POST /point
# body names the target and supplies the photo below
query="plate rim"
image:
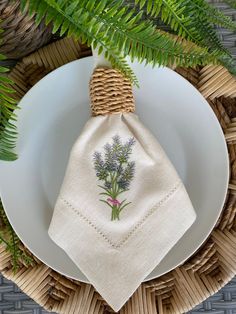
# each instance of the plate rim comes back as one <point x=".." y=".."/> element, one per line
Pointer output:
<point x="225" y="192"/>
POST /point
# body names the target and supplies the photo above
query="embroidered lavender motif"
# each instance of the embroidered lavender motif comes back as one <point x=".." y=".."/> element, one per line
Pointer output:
<point x="116" y="172"/>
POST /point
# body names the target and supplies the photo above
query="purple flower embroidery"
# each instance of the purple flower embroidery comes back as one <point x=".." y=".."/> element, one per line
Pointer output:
<point x="116" y="172"/>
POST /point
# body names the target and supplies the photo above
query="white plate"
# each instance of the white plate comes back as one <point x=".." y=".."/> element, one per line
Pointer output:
<point x="53" y="114"/>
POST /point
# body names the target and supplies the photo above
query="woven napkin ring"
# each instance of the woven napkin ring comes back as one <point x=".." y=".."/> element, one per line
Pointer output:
<point x="110" y="92"/>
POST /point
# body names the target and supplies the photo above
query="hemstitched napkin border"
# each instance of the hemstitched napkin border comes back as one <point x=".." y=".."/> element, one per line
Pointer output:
<point x="134" y="229"/>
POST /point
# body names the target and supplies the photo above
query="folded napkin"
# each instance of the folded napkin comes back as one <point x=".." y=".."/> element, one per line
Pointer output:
<point x="122" y="206"/>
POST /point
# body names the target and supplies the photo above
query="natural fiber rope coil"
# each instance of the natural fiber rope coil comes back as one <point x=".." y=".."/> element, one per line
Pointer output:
<point x="110" y="92"/>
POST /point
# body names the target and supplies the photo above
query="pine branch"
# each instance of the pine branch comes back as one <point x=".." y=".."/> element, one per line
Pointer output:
<point x="8" y="133"/>
<point x="118" y="31"/>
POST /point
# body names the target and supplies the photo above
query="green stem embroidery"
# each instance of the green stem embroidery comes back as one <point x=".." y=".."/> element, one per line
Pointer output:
<point x="116" y="172"/>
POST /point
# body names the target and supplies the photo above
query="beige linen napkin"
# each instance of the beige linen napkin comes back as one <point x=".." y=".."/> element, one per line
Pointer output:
<point x="122" y="206"/>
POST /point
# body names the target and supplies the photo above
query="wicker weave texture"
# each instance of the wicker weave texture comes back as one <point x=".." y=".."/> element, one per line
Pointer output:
<point x="14" y="301"/>
<point x="21" y="35"/>
<point x="223" y="302"/>
<point x="110" y="92"/>
<point x="181" y="289"/>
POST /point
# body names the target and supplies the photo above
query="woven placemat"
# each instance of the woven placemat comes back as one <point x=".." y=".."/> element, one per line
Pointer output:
<point x="21" y="34"/>
<point x="14" y="301"/>
<point x="184" y="287"/>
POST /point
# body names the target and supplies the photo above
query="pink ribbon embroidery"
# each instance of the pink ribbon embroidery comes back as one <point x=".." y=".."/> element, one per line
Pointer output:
<point x="113" y="201"/>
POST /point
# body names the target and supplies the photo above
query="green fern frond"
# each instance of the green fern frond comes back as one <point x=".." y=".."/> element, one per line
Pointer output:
<point x="80" y="19"/>
<point x="109" y="23"/>
<point x="8" y="133"/>
<point x="191" y="19"/>
<point x="178" y="13"/>
<point x="12" y="242"/>
<point x="229" y="63"/>
<point x="171" y="13"/>
<point x="231" y="3"/>
<point x="207" y="35"/>
<point x="213" y="14"/>
<point x="204" y="17"/>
